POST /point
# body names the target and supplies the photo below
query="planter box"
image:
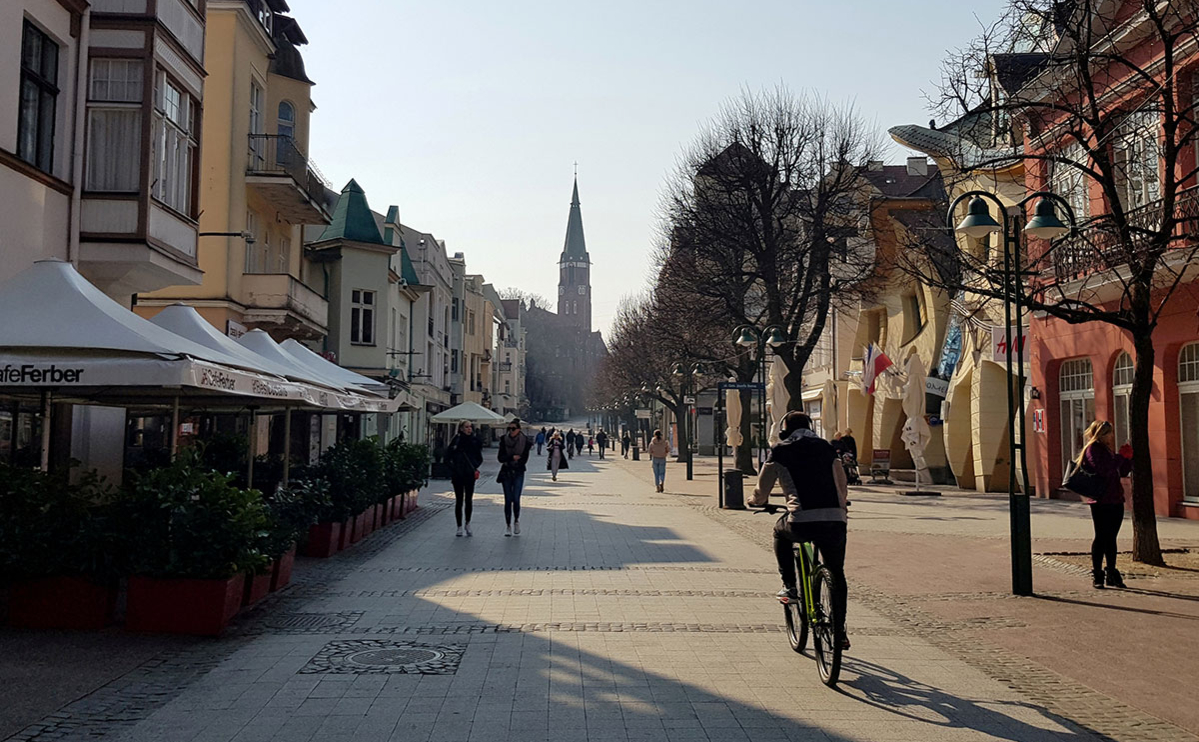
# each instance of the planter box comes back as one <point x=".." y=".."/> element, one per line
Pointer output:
<point x="359" y="530"/>
<point x="324" y="540"/>
<point x="380" y="515"/>
<point x="385" y="509"/>
<point x="397" y="504"/>
<point x="347" y="530"/>
<point x="411" y="500"/>
<point x="257" y="586"/>
<point x="283" y="566"/>
<point x="61" y="603"/>
<point x="183" y="606"/>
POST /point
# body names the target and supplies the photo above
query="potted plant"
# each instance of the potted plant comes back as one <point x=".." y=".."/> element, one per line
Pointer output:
<point x="190" y="537"/>
<point x="55" y="549"/>
<point x="292" y="511"/>
<point x="407" y="467"/>
<point x="355" y="473"/>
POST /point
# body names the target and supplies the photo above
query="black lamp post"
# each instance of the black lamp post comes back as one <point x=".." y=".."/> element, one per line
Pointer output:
<point x="687" y="376"/>
<point x="747" y="336"/>
<point x="1045" y="224"/>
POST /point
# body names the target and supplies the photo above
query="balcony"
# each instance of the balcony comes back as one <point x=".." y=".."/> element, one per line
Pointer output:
<point x="280" y="301"/>
<point x="505" y="367"/>
<point x="283" y="176"/>
<point x="1096" y="248"/>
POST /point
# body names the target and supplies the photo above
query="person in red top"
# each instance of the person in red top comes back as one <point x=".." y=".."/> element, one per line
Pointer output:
<point x="1099" y="457"/>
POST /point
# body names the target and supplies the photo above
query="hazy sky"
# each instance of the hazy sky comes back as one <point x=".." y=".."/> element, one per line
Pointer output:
<point x="470" y="114"/>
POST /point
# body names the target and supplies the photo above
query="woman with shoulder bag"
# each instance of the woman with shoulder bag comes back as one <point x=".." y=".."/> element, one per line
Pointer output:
<point x="465" y="455"/>
<point x="557" y="455"/>
<point x="1095" y="475"/>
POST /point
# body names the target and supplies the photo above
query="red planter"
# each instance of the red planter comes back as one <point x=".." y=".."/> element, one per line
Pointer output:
<point x="257" y="586"/>
<point x="169" y="606"/>
<point x="282" y="572"/>
<point x="384" y="509"/>
<point x="359" y="531"/>
<point x="61" y="603"/>
<point x="324" y="539"/>
<point x="411" y="501"/>
<point x="397" y="503"/>
<point x="347" y="530"/>
<point x="380" y="515"/>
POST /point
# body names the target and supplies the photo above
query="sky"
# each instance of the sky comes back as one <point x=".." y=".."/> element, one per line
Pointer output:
<point x="470" y="115"/>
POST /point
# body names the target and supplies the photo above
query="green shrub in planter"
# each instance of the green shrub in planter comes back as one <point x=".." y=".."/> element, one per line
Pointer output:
<point x="407" y="466"/>
<point x="50" y="526"/>
<point x="185" y="520"/>
<point x="356" y="477"/>
<point x="291" y="510"/>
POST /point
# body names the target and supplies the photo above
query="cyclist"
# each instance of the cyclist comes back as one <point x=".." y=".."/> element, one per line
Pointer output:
<point x="816" y="512"/>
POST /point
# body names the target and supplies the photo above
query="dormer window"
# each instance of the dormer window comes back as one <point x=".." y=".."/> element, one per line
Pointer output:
<point x="266" y="17"/>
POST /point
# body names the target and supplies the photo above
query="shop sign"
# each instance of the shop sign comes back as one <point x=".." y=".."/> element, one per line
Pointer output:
<point x="935" y="386"/>
<point x="644" y="413"/>
<point x="234" y="329"/>
<point x="1003" y="345"/>
<point x="1038" y="421"/>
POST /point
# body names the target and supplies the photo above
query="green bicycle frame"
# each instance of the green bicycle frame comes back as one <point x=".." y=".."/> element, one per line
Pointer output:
<point x="806" y="560"/>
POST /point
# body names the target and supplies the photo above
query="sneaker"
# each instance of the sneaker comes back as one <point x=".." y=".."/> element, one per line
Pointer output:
<point x="468" y="533"/>
<point x="516" y="528"/>
<point x="790" y="593"/>
<point x="508" y="530"/>
<point x="1114" y="578"/>
<point x="1097" y="579"/>
<point x="459" y="533"/>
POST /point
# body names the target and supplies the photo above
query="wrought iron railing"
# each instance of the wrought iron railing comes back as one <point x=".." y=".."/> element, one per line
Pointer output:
<point x="1097" y="246"/>
<point x="273" y="154"/>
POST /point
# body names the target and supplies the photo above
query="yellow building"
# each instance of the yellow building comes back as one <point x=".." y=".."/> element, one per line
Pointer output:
<point x="257" y="186"/>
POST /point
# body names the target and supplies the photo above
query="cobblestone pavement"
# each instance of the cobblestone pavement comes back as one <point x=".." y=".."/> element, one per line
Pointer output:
<point x="618" y="614"/>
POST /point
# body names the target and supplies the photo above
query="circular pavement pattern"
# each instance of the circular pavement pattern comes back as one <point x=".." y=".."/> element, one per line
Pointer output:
<point x="393" y="657"/>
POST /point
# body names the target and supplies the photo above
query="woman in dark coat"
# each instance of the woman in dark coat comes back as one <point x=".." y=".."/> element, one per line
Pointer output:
<point x="1100" y="459"/>
<point x="557" y="455"/>
<point x="464" y="455"/>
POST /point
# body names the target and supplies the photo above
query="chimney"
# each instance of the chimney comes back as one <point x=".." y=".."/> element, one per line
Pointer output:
<point x="875" y="166"/>
<point x="917" y="166"/>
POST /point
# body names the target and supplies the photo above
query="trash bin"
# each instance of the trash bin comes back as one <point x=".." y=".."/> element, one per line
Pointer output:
<point x="734" y="491"/>
<point x="636" y="453"/>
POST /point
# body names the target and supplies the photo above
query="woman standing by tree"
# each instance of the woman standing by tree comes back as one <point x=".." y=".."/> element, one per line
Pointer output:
<point x="465" y="455"/>
<point x="1098" y="461"/>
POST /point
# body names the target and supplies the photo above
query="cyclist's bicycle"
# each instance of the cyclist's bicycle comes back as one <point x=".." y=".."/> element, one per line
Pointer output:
<point x="813" y="611"/>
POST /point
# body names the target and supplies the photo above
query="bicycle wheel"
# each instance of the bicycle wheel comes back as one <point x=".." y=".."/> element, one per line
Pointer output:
<point x="797" y="624"/>
<point x="824" y="633"/>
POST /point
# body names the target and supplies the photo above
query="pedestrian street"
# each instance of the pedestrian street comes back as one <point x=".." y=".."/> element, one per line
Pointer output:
<point x="617" y="614"/>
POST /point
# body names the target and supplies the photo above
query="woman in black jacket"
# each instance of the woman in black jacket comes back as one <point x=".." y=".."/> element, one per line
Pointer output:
<point x="465" y="454"/>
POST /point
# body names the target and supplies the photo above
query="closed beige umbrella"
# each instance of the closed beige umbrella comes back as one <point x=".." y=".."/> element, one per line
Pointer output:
<point x="732" y="403"/>
<point x="916" y="434"/>
<point x="776" y="397"/>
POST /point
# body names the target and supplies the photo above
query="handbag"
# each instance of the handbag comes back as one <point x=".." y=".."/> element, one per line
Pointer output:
<point x="476" y="474"/>
<point x="1081" y="480"/>
<point x="504" y="475"/>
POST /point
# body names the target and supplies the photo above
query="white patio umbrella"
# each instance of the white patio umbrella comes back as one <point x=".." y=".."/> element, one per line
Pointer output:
<point x="732" y="404"/>
<point x="468" y="412"/>
<point x="916" y="434"/>
<point x="776" y="396"/>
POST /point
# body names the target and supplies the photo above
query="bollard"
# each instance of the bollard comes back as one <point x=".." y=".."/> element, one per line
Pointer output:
<point x="734" y="490"/>
<point x="636" y="453"/>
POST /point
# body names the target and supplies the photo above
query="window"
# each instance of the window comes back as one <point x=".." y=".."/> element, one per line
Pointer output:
<point x="582" y="290"/>
<point x="1137" y="154"/>
<point x="283" y="255"/>
<point x="362" y="317"/>
<point x="470" y="322"/>
<point x="174" y="144"/>
<point x="454" y="307"/>
<point x="252" y="261"/>
<point x="454" y="361"/>
<point x="287" y="120"/>
<point x="1070" y="183"/>
<point x="913" y="316"/>
<point x="39" y="98"/>
<point x="1188" y="394"/>
<point x="257" y="145"/>
<point x="266" y="17"/>
<point x="1076" y="390"/>
<point x="1121" y="389"/>
<point x="114" y="125"/>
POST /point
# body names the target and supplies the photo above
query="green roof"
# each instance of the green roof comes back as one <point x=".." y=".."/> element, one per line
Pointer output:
<point x="407" y="271"/>
<point x="352" y="218"/>
<point x="576" y="246"/>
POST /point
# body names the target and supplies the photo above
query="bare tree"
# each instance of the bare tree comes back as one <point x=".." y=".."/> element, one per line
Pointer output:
<point x="757" y="214"/>
<point x="1087" y="95"/>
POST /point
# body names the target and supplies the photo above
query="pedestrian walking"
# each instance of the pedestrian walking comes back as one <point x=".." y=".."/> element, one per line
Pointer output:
<point x="570" y="443"/>
<point x="465" y="455"/>
<point x="658" y="450"/>
<point x="601" y="438"/>
<point x="557" y="456"/>
<point x="590" y="445"/>
<point x="540" y="440"/>
<point x="514" y="454"/>
<point x="1101" y="468"/>
<point x="626" y="442"/>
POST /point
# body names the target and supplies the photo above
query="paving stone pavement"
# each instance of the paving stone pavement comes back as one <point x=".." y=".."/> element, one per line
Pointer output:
<point x="618" y="614"/>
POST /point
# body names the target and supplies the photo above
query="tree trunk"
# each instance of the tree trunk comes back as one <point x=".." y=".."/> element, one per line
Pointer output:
<point x="1145" y="545"/>
<point x="684" y="441"/>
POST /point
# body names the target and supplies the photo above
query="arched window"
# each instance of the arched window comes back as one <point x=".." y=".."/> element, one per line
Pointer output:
<point x="1121" y="392"/>
<point x="1188" y="395"/>
<point x="287" y="120"/>
<point x="1076" y="391"/>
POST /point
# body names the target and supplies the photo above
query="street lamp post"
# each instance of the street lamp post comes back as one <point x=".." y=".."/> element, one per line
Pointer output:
<point x="747" y="336"/>
<point x="687" y="376"/>
<point x="1045" y="224"/>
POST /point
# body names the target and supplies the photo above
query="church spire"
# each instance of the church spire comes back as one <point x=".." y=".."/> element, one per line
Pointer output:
<point x="576" y="245"/>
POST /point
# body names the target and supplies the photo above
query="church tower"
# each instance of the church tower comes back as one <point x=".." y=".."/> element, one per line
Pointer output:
<point x="574" y="271"/>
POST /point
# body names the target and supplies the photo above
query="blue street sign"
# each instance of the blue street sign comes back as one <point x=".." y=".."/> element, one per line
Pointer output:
<point x="756" y="386"/>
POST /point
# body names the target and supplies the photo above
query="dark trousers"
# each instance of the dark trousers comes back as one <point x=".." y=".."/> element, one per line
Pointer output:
<point x="829" y="538"/>
<point x="513" y="485"/>
<point x="1107" y="520"/>
<point x="464" y="495"/>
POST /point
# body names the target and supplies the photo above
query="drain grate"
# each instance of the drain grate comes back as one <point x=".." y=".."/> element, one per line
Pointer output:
<point x="314" y="623"/>
<point x="377" y="656"/>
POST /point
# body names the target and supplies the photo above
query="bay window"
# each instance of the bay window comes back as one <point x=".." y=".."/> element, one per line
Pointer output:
<point x="174" y="131"/>
<point x="114" y="125"/>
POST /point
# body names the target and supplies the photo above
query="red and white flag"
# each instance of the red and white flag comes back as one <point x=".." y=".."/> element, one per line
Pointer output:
<point x="873" y="364"/>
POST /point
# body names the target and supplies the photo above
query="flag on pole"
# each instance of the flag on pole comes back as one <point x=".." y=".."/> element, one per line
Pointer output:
<point x="873" y="363"/>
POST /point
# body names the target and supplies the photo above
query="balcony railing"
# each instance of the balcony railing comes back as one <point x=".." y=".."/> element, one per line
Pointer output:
<point x="1096" y="245"/>
<point x="278" y="156"/>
